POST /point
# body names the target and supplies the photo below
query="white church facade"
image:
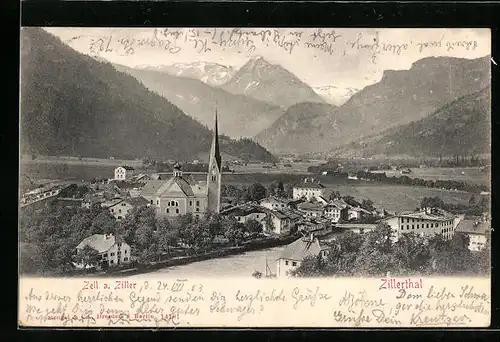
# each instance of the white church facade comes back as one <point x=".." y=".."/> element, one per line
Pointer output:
<point x="181" y="195"/>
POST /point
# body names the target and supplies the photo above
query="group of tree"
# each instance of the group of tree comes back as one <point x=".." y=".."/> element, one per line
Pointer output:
<point x="74" y="191"/>
<point x="49" y="236"/>
<point x="476" y="207"/>
<point x="377" y="254"/>
<point x="256" y="191"/>
<point x="441" y="184"/>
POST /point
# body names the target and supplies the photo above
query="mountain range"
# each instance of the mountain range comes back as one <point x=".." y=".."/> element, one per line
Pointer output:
<point x="213" y="74"/>
<point x="72" y="104"/>
<point x="399" y="98"/>
<point x="460" y="128"/>
<point x="270" y="83"/>
<point x="240" y="115"/>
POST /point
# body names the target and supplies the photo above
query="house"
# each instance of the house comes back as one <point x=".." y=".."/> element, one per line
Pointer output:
<point x="312" y="225"/>
<point x="357" y="213"/>
<point x="272" y="203"/>
<point x="113" y="251"/>
<point x="336" y="210"/>
<point x="427" y="221"/>
<point x="124" y="172"/>
<point x="280" y="222"/>
<point x="476" y="229"/>
<point x="121" y="208"/>
<point x="311" y="209"/>
<point x="309" y="189"/>
<point x="181" y="195"/>
<point x="243" y="213"/>
<point x="294" y="254"/>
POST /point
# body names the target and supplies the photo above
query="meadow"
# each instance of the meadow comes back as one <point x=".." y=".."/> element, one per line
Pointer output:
<point x="466" y="174"/>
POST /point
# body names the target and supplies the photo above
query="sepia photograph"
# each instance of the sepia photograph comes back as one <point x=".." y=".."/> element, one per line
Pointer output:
<point x="259" y="154"/>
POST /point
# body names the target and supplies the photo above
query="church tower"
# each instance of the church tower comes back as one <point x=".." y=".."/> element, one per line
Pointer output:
<point x="214" y="173"/>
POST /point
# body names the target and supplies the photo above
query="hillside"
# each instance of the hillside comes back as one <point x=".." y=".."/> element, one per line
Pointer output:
<point x="399" y="98"/>
<point x="240" y="116"/>
<point x="270" y="83"/>
<point x="460" y="128"/>
<point x="72" y="104"/>
<point x="299" y="129"/>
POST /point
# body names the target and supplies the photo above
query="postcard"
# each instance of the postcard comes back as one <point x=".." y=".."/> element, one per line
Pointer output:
<point x="254" y="177"/>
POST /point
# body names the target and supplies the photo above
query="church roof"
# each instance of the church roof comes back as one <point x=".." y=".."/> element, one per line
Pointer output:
<point x="184" y="186"/>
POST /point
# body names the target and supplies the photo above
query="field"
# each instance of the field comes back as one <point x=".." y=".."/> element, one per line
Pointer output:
<point x="466" y="174"/>
<point x="395" y="198"/>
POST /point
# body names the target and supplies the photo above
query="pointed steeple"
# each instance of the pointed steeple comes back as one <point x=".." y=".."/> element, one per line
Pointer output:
<point x="215" y="151"/>
<point x="214" y="172"/>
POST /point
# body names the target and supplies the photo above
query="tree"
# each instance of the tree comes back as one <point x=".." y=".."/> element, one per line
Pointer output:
<point x="233" y="231"/>
<point x="253" y="226"/>
<point x="367" y="204"/>
<point x="87" y="256"/>
<point x="269" y="223"/>
<point x="334" y="195"/>
<point x="257" y="192"/>
<point x="375" y="256"/>
<point x="104" y="223"/>
<point x="412" y="254"/>
<point x="272" y="188"/>
<point x="311" y="266"/>
<point x="432" y="202"/>
<point x="167" y="234"/>
<point x="281" y="190"/>
<point x="351" y="201"/>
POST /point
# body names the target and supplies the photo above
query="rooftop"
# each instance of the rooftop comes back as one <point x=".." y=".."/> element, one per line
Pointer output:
<point x="100" y="242"/>
<point x="137" y="201"/>
<point x="435" y="214"/>
<point x="243" y="210"/>
<point x="309" y="185"/>
<point x="355" y="225"/>
<point x="310" y="206"/>
<point x="302" y="248"/>
<point x="475" y="226"/>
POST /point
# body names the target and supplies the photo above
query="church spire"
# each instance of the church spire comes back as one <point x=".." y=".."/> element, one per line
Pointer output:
<point x="215" y="151"/>
<point x="214" y="172"/>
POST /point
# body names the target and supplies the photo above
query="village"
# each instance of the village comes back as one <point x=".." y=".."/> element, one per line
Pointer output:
<point x="311" y="217"/>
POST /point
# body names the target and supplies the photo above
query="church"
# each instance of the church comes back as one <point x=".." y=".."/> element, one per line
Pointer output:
<point x="181" y="195"/>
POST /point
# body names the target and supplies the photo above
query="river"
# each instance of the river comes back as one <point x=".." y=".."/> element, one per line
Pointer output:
<point x="240" y="265"/>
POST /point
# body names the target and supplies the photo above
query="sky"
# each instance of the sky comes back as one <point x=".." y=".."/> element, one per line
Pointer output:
<point x="343" y="57"/>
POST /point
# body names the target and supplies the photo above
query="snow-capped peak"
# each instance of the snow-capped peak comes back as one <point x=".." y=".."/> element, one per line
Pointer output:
<point x="335" y="95"/>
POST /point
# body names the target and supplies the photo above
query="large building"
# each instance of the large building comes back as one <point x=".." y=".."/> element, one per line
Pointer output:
<point x="428" y="221"/>
<point x="180" y="195"/>
<point x="309" y="189"/>
<point x="123" y="172"/>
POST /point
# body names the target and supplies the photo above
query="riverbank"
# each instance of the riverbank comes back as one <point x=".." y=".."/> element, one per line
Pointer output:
<point x="249" y="246"/>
